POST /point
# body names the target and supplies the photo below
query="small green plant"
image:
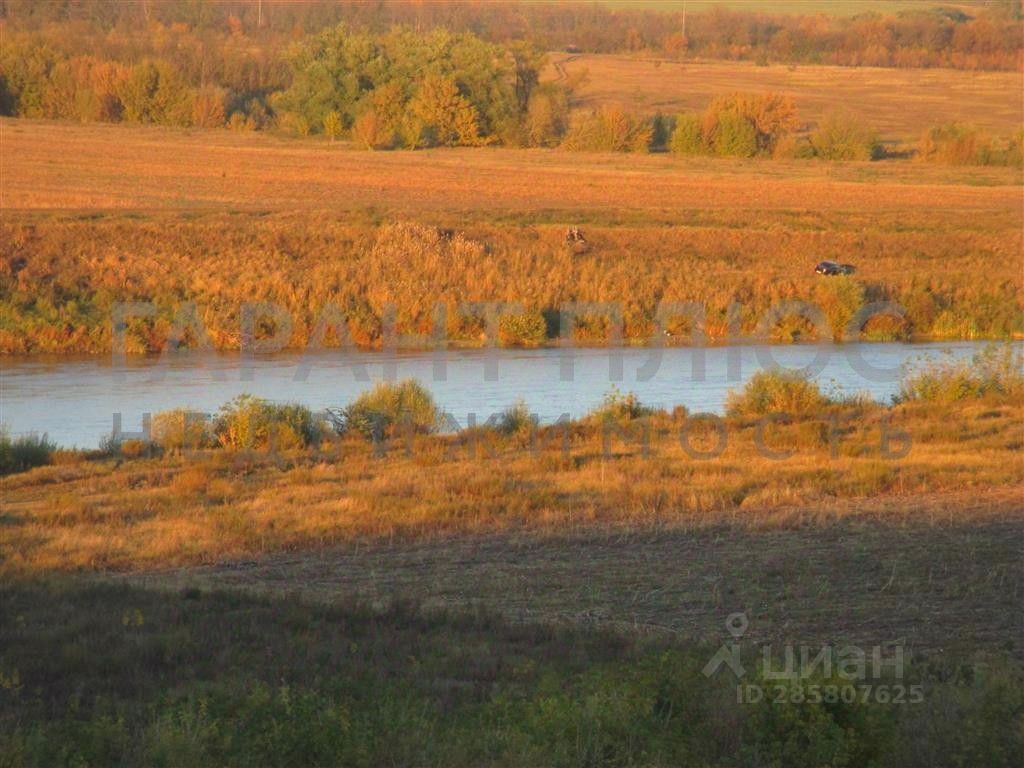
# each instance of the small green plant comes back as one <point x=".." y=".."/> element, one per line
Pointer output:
<point x="24" y="452"/>
<point x="248" y="423"/>
<point x="776" y="392"/>
<point x="389" y="407"/>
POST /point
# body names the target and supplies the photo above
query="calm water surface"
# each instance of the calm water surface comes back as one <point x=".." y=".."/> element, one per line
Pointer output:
<point x="74" y="400"/>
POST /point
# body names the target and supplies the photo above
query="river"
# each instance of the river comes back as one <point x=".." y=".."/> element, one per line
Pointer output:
<point x="73" y="400"/>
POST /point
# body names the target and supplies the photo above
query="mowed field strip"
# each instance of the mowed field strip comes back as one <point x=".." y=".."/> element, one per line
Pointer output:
<point x="63" y="166"/>
<point x="898" y="103"/>
<point x="905" y="568"/>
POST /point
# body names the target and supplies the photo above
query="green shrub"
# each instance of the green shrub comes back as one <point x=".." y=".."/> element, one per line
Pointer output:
<point x="734" y="136"/>
<point x="525" y="330"/>
<point x="248" y="423"/>
<point x="180" y="429"/>
<point x="516" y="419"/>
<point x="819" y="733"/>
<point x="617" y="406"/>
<point x="24" y="452"/>
<point x="996" y="371"/>
<point x="776" y="392"/>
<point x="389" y="407"/>
<point x="608" y="129"/>
<point x="688" y="136"/>
<point x="841" y="136"/>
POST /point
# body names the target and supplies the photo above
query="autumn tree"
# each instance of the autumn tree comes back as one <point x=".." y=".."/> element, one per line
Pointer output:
<point x="332" y="125"/>
<point x="608" y="129"/>
<point x="445" y="116"/>
<point x="745" y="124"/>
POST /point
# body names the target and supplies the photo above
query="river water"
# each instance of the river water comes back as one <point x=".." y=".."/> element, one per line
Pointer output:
<point x="74" y="400"/>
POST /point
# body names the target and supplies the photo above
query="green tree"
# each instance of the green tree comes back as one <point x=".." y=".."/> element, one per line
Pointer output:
<point x="154" y="93"/>
<point x="25" y="69"/>
<point x="688" y="135"/>
<point x="734" y="136"/>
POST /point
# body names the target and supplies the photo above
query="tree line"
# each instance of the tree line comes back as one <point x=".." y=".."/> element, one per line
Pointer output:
<point x="986" y="36"/>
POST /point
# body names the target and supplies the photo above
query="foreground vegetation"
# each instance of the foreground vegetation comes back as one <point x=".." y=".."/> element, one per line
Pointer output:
<point x="154" y="678"/>
<point x="517" y="594"/>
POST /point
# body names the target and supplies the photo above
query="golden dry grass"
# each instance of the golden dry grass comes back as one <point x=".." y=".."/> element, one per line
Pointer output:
<point x="148" y="513"/>
<point x="110" y="213"/>
<point x="923" y="548"/>
<point x="62" y="166"/>
<point x="898" y="103"/>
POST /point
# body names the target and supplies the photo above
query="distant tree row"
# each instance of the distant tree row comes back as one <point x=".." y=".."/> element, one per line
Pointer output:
<point x="397" y="89"/>
<point x="988" y="37"/>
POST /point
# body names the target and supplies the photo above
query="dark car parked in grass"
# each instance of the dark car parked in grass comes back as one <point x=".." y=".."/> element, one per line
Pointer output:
<point x="834" y="268"/>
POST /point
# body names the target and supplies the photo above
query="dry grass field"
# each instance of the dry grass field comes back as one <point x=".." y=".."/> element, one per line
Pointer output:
<point x="101" y="214"/>
<point x="60" y="166"/>
<point x="898" y="103"/>
<point x="923" y="547"/>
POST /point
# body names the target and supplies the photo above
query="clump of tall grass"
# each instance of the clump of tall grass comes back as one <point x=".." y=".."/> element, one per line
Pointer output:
<point x="995" y="370"/>
<point x="776" y="392"/>
<point x="388" y="407"/>
<point x="249" y="422"/>
<point x="620" y="407"/>
<point x="24" y="452"/>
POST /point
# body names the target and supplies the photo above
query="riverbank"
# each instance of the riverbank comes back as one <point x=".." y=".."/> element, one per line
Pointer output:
<point x="477" y="585"/>
<point x="663" y="469"/>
